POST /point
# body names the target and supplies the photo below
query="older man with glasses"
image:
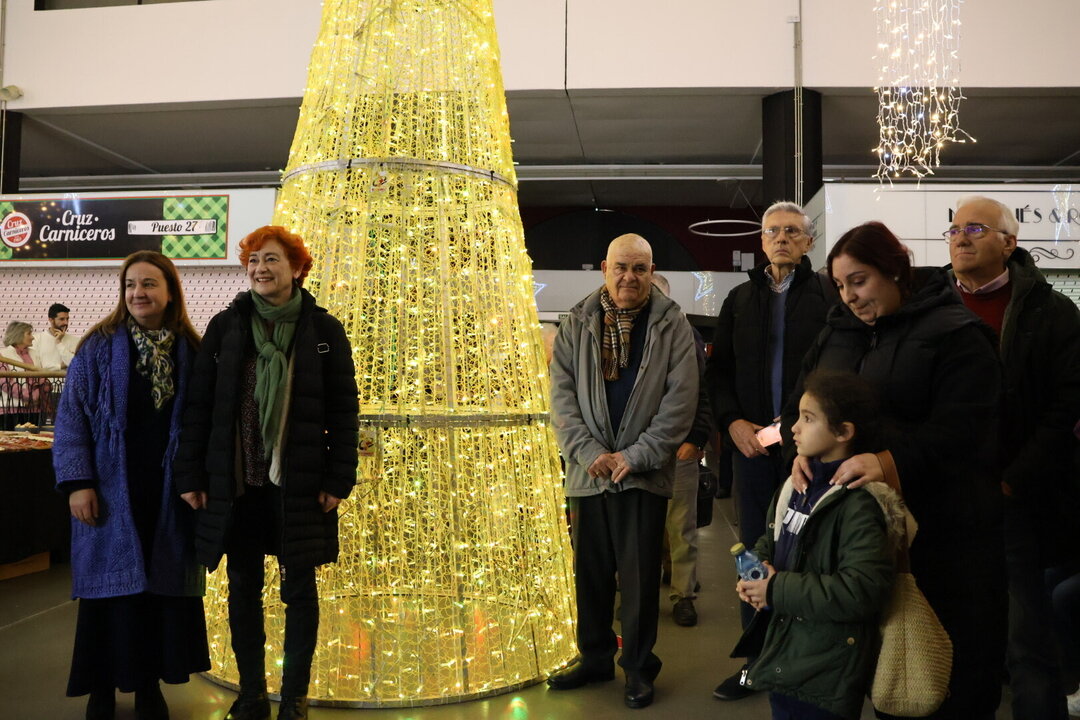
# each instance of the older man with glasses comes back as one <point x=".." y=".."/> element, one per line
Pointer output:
<point x="765" y="327"/>
<point x="1039" y="339"/>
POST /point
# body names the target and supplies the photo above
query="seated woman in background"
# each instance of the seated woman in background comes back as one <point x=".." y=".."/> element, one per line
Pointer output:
<point x="133" y="561"/>
<point x="20" y="398"/>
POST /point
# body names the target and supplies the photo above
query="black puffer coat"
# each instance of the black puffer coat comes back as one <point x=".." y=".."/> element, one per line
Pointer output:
<point x="938" y="380"/>
<point x="737" y="374"/>
<point x="321" y="447"/>
<point x="1040" y="347"/>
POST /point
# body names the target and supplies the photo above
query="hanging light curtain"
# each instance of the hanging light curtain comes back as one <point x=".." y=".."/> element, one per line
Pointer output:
<point x="919" y="94"/>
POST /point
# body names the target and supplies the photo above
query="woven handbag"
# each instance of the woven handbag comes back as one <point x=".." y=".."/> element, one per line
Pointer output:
<point x="915" y="661"/>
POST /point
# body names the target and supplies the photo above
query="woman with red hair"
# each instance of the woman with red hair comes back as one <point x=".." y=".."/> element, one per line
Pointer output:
<point x="267" y="452"/>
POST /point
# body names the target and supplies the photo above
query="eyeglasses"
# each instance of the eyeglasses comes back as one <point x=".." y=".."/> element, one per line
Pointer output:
<point x="972" y="230"/>
<point x="789" y="230"/>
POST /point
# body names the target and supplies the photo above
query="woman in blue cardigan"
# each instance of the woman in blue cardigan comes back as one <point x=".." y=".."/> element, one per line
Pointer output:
<point x="132" y="547"/>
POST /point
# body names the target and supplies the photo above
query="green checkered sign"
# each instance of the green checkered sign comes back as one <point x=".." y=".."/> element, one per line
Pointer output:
<point x="199" y="208"/>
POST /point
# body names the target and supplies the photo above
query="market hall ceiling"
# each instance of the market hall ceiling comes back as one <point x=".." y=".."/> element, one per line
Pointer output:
<point x="602" y="148"/>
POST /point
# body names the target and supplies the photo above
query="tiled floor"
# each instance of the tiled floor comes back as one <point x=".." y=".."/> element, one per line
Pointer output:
<point x="37" y="621"/>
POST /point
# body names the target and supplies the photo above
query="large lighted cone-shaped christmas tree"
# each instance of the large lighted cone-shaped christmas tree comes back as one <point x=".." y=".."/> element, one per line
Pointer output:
<point x="454" y="579"/>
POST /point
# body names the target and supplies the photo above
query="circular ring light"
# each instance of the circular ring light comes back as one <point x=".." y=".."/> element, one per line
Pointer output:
<point x="756" y="228"/>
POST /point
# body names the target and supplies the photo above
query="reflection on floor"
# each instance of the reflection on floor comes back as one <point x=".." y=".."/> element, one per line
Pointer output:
<point x="37" y="622"/>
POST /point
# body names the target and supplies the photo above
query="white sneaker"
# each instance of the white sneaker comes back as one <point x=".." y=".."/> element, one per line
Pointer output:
<point x="1074" y="703"/>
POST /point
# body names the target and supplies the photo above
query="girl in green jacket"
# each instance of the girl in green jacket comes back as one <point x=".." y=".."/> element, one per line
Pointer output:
<point x="829" y="551"/>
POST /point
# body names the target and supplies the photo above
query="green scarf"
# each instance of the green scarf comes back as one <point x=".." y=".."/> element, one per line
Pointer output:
<point x="272" y="364"/>
<point x="155" y="361"/>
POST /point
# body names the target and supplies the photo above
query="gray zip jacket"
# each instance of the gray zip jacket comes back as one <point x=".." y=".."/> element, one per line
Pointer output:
<point x="658" y="415"/>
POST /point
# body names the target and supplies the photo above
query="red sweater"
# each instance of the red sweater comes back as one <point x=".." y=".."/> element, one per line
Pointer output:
<point x="990" y="306"/>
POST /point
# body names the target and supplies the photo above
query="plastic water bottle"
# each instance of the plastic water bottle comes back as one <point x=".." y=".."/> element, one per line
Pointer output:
<point x="748" y="565"/>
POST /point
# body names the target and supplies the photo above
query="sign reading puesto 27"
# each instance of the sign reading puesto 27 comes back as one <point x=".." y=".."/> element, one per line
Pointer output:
<point x="182" y="227"/>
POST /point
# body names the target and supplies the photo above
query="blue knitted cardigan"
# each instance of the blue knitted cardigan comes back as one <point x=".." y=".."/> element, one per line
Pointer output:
<point x="90" y="446"/>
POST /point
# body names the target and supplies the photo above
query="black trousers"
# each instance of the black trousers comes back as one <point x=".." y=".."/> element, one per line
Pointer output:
<point x="253" y="535"/>
<point x="1033" y="657"/>
<point x="618" y="533"/>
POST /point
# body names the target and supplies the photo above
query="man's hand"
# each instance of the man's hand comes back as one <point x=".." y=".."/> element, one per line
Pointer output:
<point x="196" y="499"/>
<point x="327" y="501"/>
<point x="688" y="451"/>
<point x="611" y="465"/>
<point x="56" y="332"/>
<point x="743" y="435"/>
<point x="858" y="470"/>
<point x="84" y="506"/>
<point x="621" y="469"/>
<point x="602" y="466"/>
<point x="755" y="592"/>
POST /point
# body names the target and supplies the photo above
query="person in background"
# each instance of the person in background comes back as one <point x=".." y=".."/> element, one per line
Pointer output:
<point x="681" y="523"/>
<point x="934" y="367"/>
<point x="56" y="345"/>
<point x="133" y="563"/>
<point x="765" y="327"/>
<point x="830" y="563"/>
<point x="20" y="398"/>
<point x="269" y="450"/>
<point x="1038" y="332"/>
<point x="625" y="341"/>
<point x="18" y="344"/>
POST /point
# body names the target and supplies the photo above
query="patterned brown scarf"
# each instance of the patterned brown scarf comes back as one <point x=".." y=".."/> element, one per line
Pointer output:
<point x="615" y="352"/>
<point x="155" y="361"/>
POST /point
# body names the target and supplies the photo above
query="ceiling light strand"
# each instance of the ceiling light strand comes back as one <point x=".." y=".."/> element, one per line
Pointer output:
<point x="919" y="93"/>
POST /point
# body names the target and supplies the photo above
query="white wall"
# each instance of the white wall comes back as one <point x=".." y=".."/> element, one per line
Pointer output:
<point x="679" y="43"/>
<point x="247" y="50"/>
<point x="1004" y="43"/>
<point x="1049" y="216"/>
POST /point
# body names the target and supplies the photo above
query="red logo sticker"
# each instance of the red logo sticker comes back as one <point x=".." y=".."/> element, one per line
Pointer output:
<point x="16" y="229"/>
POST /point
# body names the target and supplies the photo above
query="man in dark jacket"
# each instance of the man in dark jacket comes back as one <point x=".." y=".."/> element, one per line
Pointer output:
<point x="682" y="516"/>
<point x="624" y="386"/>
<point x="1039" y="331"/>
<point x="765" y="327"/>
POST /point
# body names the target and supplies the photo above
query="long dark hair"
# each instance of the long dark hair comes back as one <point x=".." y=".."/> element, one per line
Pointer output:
<point x="874" y="244"/>
<point x="846" y="397"/>
<point x="176" y="317"/>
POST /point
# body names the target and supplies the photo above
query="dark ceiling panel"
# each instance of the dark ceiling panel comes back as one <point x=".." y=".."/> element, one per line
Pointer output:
<point x="668" y="127"/>
<point x="1026" y="127"/>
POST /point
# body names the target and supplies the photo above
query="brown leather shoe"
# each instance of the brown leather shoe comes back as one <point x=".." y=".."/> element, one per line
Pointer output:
<point x="684" y="613"/>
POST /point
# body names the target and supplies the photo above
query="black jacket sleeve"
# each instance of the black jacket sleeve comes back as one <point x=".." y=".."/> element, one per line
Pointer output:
<point x="189" y="468"/>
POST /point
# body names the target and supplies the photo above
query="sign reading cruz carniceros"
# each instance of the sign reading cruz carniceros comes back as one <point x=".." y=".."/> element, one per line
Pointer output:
<point x="182" y="227"/>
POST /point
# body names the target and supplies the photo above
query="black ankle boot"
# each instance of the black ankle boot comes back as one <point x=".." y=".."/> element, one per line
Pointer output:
<point x="150" y="703"/>
<point x="292" y="708"/>
<point x="101" y="705"/>
<point x="250" y="706"/>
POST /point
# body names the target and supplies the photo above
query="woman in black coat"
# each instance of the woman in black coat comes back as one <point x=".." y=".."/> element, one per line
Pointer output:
<point x="274" y="381"/>
<point x="937" y="374"/>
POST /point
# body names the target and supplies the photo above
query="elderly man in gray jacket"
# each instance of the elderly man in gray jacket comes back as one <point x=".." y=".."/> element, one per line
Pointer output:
<point x="624" y="380"/>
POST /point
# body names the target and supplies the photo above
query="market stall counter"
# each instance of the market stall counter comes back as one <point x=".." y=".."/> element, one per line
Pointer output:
<point x="34" y="517"/>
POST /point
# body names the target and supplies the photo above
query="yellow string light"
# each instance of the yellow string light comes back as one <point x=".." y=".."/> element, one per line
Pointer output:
<point x="455" y="578"/>
<point x="918" y="89"/>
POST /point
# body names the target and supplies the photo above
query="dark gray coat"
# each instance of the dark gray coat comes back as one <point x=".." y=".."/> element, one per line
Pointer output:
<point x="658" y="416"/>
